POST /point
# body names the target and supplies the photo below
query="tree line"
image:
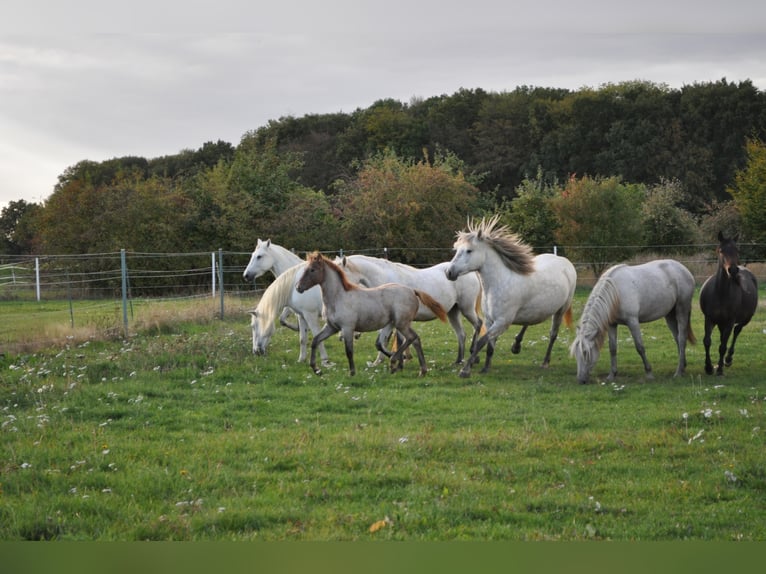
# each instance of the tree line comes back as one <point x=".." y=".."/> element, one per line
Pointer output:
<point x="626" y="165"/>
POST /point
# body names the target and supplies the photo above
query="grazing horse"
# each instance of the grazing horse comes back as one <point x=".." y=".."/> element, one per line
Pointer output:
<point x="519" y="287"/>
<point x="269" y="256"/>
<point x="630" y="295"/>
<point x="462" y="296"/>
<point x="278" y="296"/>
<point x="350" y="307"/>
<point x="728" y="301"/>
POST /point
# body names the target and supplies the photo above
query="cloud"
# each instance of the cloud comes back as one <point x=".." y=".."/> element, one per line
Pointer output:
<point x="92" y="80"/>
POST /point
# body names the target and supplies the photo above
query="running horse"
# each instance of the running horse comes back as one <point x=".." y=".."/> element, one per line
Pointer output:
<point x="728" y="300"/>
<point x="350" y="307"/>
<point x="519" y="287"/>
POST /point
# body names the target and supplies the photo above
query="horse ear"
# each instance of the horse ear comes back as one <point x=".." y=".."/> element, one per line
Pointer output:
<point x="720" y="236"/>
<point x="268" y="242"/>
<point x="344" y="261"/>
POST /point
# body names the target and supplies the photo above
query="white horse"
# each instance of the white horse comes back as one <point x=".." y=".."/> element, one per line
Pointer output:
<point x="462" y="296"/>
<point x="269" y="256"/>
<point x="519" y="288"/>
<point x="350" y="307"/>
<point x="630" y="295"/>
<point x="280" y="294"/>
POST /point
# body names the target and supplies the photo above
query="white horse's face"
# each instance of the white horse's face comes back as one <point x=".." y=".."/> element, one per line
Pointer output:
<point x="469" y="256"/>
<point x="261" y="335"/>
<point x="260" y="261"/>
<point x="586" y="355"/>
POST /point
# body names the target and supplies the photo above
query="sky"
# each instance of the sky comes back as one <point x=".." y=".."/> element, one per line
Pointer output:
<point x="91" y="80"/>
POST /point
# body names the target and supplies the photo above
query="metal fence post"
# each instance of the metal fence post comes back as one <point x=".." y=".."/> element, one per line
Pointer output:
<point x="37" y="278"/>
<point x="212" y="265"/>
<point x="124" y="269"/>
<point x="220" y="277"/>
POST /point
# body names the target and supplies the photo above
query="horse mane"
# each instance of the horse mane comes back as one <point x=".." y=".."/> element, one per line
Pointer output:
<point x="599" y="312"/>
<point x="347" y="285"/>
<point x="514" y="253"/>
<point x="276" y="297"/>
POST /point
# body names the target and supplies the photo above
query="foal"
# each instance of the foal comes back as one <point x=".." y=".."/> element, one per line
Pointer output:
<point x="350" y="308"/>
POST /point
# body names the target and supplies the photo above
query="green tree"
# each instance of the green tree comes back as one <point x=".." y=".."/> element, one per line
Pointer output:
<point x="667" y="225"/>
<point x="17" y="227"/>
<point x="400" y="204"/>
<point x="599" y="220"/>
<point x="749" y="192"/>
<point x="530" y="213"/>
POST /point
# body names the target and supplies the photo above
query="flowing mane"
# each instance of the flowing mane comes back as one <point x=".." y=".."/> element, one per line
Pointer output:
<point x="347" y="285"/>
<point x="599" y="312"/>
<point x="514" y="253"/>
<point x="276" y="297"/>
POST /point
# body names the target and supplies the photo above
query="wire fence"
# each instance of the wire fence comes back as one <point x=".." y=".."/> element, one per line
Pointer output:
<point x="115" y="283"/>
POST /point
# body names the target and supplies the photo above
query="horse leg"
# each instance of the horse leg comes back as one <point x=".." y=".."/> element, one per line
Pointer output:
<point x="554" y="333"/>
<point x="303" y="337"/>
<point x="725" y="332"/>
<point x="490" y="352"/>
<point x="283" y="319"/>
<point x="410" y="338"/>
<point x="380" y="344"/>
<point x="476" y="333"/>
<point x="328" y="331"/>
<point x="612" y="332"/>
<point x="730" y="356"/>
<point x="474" y="358"/>
<point x="516" y="348"/>
<point x="679" y="335"/>
<point x="707" y="341"/>
<point x="348" y="342"/>
<point x="457" y="326"/>
<point x="313" y="324"/>
<point x="638" y="341"/>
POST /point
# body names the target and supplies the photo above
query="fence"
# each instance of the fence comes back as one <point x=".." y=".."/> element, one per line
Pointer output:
<point x="124" y="277"/>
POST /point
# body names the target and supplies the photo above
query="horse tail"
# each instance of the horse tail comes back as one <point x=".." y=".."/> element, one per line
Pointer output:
<point x="689" y="332"/>
<point x="568" y="317"/>
<point x="477" y="306"/>
<point x="432" y="304"/>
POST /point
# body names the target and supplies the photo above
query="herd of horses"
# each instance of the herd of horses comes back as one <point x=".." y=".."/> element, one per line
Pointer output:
<point x="494" y="281"/>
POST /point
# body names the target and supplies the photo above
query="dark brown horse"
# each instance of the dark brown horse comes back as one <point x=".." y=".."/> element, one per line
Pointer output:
<point x="728" y="300"/>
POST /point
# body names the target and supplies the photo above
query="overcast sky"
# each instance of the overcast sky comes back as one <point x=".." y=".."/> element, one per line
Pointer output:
<point x="85" y="79"/>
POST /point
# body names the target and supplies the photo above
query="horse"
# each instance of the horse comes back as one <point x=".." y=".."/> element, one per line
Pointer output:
<point x="728" y="300"/>
<point x="519" y="287"/>
<point x="630" y="295"/>
<point x="269" y="256"/>
<point x="279" y="295"/>
<point x="462" y="296"/>
<point x="350" y="307"/>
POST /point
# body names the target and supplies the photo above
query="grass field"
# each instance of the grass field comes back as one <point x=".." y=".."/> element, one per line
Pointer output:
<point x="180" y="433"/>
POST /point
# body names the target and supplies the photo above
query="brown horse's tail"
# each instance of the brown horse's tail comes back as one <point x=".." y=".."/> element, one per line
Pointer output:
<point x="432" y="304"/>
<point x="568" y="318"/>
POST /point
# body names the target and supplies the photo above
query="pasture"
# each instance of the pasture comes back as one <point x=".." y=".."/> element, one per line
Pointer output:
<point x="180" y="433"/>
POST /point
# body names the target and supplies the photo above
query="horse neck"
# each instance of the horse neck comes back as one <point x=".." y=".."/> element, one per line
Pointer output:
<point x="283" y="259"/>
<point x="275" y="298"/>
<point x="493" y="272"/>
<point x="332" y="286"/>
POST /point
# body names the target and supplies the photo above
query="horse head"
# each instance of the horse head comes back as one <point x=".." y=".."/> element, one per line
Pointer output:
<point x="728" y="255"/>
<point x="313" y="274"/>
<point x="260" y="261"/>
<point x="261" y="334"/>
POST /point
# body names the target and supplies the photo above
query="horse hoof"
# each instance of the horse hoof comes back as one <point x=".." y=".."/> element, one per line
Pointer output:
<point x="709" y="369"/>
<point x="318" y="372"/>
<point x="465" y="374"/>
<point x="516" y="349"/>
<point x="423" y="372"/>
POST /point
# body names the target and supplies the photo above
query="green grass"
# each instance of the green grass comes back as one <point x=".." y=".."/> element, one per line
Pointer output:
<point x="179" y="433"/>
